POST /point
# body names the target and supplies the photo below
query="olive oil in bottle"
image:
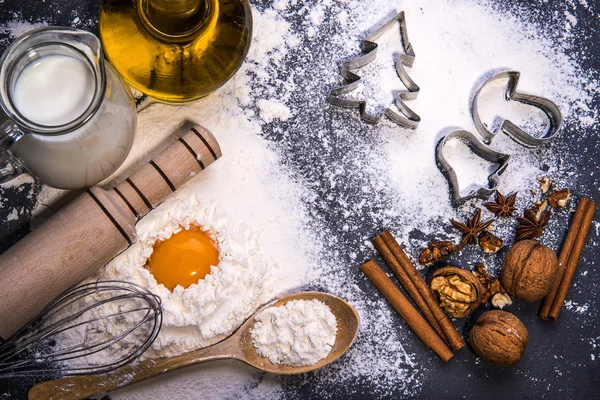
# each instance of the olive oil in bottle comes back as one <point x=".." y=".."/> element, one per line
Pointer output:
<point x="176" y="50"/>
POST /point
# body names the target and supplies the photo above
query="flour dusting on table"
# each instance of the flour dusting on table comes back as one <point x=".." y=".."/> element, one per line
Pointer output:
<point x="315" y="183"/>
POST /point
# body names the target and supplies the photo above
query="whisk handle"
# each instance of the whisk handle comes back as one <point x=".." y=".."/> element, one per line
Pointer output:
<point x="84" y="386"/>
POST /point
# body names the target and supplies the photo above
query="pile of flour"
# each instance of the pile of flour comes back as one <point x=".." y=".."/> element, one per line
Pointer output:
<point x="300" y="333"/>
<point x="206" y="312"/>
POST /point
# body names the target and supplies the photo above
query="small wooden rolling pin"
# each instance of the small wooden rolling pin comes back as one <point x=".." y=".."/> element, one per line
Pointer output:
<point x="91" y="230"/>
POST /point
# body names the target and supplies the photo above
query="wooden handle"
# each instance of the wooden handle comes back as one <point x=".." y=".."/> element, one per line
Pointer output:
<point x="81" y="387"/>
<point x="149" y="186"/>
<point x="90" y="231"/>
<point x="67" y="249"/>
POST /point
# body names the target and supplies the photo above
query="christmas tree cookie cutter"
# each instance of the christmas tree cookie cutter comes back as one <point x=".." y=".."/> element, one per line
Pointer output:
<point x="517" y="134"/>
<point x="481" y="150"/>
<point x="407" y="117"/>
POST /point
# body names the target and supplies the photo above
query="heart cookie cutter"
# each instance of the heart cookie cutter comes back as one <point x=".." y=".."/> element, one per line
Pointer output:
<point x="407" y="118"/>
<point x="481" y="150"/>
<point x="517" y="134"/>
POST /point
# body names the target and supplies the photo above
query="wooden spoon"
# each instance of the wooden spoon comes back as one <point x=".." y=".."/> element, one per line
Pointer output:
<point x="238" y="346"/>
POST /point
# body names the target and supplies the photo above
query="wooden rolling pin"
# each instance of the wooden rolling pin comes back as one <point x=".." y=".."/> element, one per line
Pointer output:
<point x="90" y="231"/>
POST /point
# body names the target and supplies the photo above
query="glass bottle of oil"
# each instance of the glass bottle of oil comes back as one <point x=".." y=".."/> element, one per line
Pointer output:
<point x="176" y="50"/>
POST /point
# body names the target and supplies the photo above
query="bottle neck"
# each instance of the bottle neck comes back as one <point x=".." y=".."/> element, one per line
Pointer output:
<point x="177" y="20"/>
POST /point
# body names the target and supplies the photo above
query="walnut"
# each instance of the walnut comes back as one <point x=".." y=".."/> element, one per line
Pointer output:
<point x="496" y="287"/>
<point x="545" y="184"/>
<point x="529" y="270"/>
<point x="500" y="338"/>
<point x="539" y="209"/>
<point x="484" y="280"/>
<point x="435" y="251"/>
<point x="501" y="300"/>
<point x="458" y="291"/>
<point x="491" y="289"/>
<point x="489" y="242"/>
<point x="559" y="198"/>
<point x="500" y="297"/>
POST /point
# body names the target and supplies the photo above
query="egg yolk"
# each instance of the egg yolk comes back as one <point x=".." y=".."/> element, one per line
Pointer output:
<point x="183" y="259"/>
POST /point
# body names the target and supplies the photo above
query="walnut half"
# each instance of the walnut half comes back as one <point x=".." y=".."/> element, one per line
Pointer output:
<point x="489" y="242"/>
<point x="492" y="289"/>
<point x="545" y="184"/>
<point x="458" y="291"/>
<point x="435" y="251"/>
<point x="501" y="300"/>
<point x="559" y="198"/>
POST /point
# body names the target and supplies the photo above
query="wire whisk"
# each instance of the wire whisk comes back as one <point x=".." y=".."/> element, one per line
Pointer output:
<point x="92" y="329"/>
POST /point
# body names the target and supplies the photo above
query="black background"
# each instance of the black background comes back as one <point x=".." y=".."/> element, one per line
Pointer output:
<point x="558" y="362"/>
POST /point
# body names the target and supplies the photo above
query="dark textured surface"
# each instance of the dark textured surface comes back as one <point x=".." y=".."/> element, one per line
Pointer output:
<point x="557" y="362"/>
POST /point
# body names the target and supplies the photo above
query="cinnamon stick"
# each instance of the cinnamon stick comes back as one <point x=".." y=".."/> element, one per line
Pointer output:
<point x="573" y="261"/>
<point x="563" y="257"/>
<point x="452" y="336"/>
<point x="407" y="284"/>
<point x="406" y="310"/>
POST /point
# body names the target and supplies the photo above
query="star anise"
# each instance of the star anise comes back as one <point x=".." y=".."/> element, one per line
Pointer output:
<point x="470" y="229"/>
<point x="504" y="206"/>
<point x="530" y="226"/>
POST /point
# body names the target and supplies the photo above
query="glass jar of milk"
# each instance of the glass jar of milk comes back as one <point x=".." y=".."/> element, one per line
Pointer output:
<point x="71" y="119"/>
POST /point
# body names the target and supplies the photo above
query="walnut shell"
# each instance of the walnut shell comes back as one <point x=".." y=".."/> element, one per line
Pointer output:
<point x="457" y="290"/>
<point x="529" y="270"/>
<point x="500" y="338"/>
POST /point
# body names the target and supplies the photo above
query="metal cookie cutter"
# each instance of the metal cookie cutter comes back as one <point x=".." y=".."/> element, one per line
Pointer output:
<point x="481" y="150"/>
<point x="516" y="133"/>
<point x="408" y="118"/>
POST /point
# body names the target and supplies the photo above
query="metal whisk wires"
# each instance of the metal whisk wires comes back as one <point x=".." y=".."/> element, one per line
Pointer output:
<point x="113" y="321"/>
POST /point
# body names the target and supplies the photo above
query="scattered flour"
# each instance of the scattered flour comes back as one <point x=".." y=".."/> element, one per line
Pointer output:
<point x="595" y="345"/>
<point x="317" y="15"/>
<point x="317" y="184"/>
<point x="13" y="215"/>
<point x="16" y="28"/>
<point x="272" y="109"/>
<point x="299" y="333"/>
<point x="18" y="181"/>
<point x="581" y="309"/>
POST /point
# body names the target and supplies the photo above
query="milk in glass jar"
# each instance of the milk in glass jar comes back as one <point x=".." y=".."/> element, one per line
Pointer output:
<point x="71" y="119"/>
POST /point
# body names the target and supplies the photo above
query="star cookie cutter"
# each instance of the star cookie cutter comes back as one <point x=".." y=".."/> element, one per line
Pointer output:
<point x="479" y="149"/>
<point x="517" y="134"/>
<point x="407" y="118"/>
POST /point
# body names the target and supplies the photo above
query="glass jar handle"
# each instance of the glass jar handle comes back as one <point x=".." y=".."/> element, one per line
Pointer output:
<point x="10" y="166"/>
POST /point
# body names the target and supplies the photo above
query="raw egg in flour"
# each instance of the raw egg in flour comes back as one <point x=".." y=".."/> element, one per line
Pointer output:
<point x="183" y="259"/>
